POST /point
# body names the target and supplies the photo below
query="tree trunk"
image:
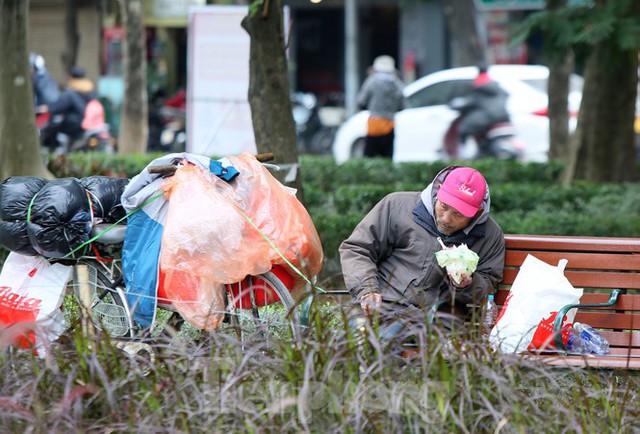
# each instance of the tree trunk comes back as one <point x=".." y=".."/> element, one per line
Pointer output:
<point x="462" y="18"/>
<point x="72" y="36"/>
<point x="560" y="67"/>
<point x="134" y="124"/>
<point x="603" y="147"/>
<point x="19" y="146"/>
<point x="269" y="98"/>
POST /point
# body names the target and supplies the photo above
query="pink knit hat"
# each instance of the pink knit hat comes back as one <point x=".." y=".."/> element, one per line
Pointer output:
<point x="463" y="189"/>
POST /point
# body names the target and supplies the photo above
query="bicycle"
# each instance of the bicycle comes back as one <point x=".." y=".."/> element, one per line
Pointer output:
<point x="99" y="286"/>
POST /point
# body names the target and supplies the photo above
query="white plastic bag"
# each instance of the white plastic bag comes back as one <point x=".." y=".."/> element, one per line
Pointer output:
<point x="31" y="292"/>
<point x="538" y="290"/>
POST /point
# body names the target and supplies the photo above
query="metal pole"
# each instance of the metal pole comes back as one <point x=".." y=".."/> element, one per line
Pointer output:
<point x="351" y="81"/>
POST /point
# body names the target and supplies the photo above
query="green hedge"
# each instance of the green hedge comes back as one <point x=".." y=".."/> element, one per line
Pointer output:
<point x="79" y="165"/>
<point x="526" y="198"/>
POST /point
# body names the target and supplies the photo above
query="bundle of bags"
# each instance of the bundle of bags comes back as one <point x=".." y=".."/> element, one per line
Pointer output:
<point x="200" y="229"/>
<point x="52" y="218"/>
<point x="42" y="219"/>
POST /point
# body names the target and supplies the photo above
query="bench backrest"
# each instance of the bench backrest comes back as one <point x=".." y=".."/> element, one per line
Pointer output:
<point x="597" y="264"/>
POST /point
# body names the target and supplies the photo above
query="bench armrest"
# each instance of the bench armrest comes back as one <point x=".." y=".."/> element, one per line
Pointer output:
<point x="557" y="325"/>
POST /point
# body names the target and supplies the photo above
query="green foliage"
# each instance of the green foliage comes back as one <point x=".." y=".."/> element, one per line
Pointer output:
<point x="255" y="6"/>
<point x="334" y="228"/>
<point x="318" y="173"/>
<point x="615" y="21"/>
<point x="496" y="172"/>
<point x="335" y="379"/>
<point x="361" y="198"/>
<point x="582" y="209"/>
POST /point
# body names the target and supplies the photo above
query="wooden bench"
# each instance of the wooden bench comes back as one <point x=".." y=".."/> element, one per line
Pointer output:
<point x="609" y="271"/>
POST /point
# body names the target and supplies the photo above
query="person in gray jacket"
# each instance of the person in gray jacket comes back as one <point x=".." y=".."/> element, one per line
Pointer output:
<point x="389" y="261"/>
<point x="381" y="94"/>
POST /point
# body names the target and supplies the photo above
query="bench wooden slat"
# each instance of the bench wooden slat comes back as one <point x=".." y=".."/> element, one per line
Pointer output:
<point x="608" y="362"/>
<point x="577" y="261"/>
<point x="568" y="243"/>
<point x="609" y="319"/>
<point x="625" y="301"/>
<point x="622" y="339"/>
<point x="590" y="279"/>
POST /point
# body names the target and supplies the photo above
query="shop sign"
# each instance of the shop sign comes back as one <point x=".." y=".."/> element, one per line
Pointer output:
<point x="503" y="5"/>
<point x="169" y="13"/>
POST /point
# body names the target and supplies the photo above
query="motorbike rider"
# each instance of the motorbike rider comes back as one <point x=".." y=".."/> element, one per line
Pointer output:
<point x="45" y="88"/>
<point x="484" y="107"/>
<point x="67" y="112"/>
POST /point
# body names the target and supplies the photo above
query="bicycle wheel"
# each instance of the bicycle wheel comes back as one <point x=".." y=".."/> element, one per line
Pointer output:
<point x="108" y="306"/>
<point x="272" y="320"/>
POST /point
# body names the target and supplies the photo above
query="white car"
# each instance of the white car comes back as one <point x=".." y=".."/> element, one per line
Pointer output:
<point x="420" y="128"/>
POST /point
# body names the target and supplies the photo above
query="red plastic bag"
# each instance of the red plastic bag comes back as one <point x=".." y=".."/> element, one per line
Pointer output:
<point x="544" y="338"/>
<point x="31" y="293"/>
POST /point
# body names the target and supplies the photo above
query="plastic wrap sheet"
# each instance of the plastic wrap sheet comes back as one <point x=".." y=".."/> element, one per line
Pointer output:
<point x="199" y="300"/>
<point x="202" y="246"/>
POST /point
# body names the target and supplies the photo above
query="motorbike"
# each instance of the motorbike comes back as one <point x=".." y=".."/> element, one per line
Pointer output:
<point x="305" y="115"/>
<point x="499" y="141"/>
<point x="167" y="129"/>
<point x="92" y="140"/>
<point x="316" y="123"/>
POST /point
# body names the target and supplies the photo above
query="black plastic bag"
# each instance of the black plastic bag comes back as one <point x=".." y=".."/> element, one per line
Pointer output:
<point x="61" y="219"/>
<point x="105" y="194"/>
<point x="16" y="193"/>
<point x="14" y="237"/>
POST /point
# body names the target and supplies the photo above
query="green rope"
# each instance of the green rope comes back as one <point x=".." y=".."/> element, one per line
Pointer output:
<point x="279" y="252"/>
<point x="33" y="199"/>
<point x="86" y="243"/>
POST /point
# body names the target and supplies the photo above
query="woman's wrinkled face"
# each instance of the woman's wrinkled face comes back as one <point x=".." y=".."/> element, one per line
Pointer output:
<point x="448" y="219"/>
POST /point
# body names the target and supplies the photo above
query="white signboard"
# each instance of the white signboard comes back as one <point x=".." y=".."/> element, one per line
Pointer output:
<point x="218" y="112"/>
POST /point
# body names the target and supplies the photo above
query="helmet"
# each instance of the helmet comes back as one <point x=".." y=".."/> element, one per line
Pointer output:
<point x="36" y="61"/>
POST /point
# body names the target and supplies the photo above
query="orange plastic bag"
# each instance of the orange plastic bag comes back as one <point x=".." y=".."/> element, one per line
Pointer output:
<point x="218" y="233"/>
<point x="279" y="216"/>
